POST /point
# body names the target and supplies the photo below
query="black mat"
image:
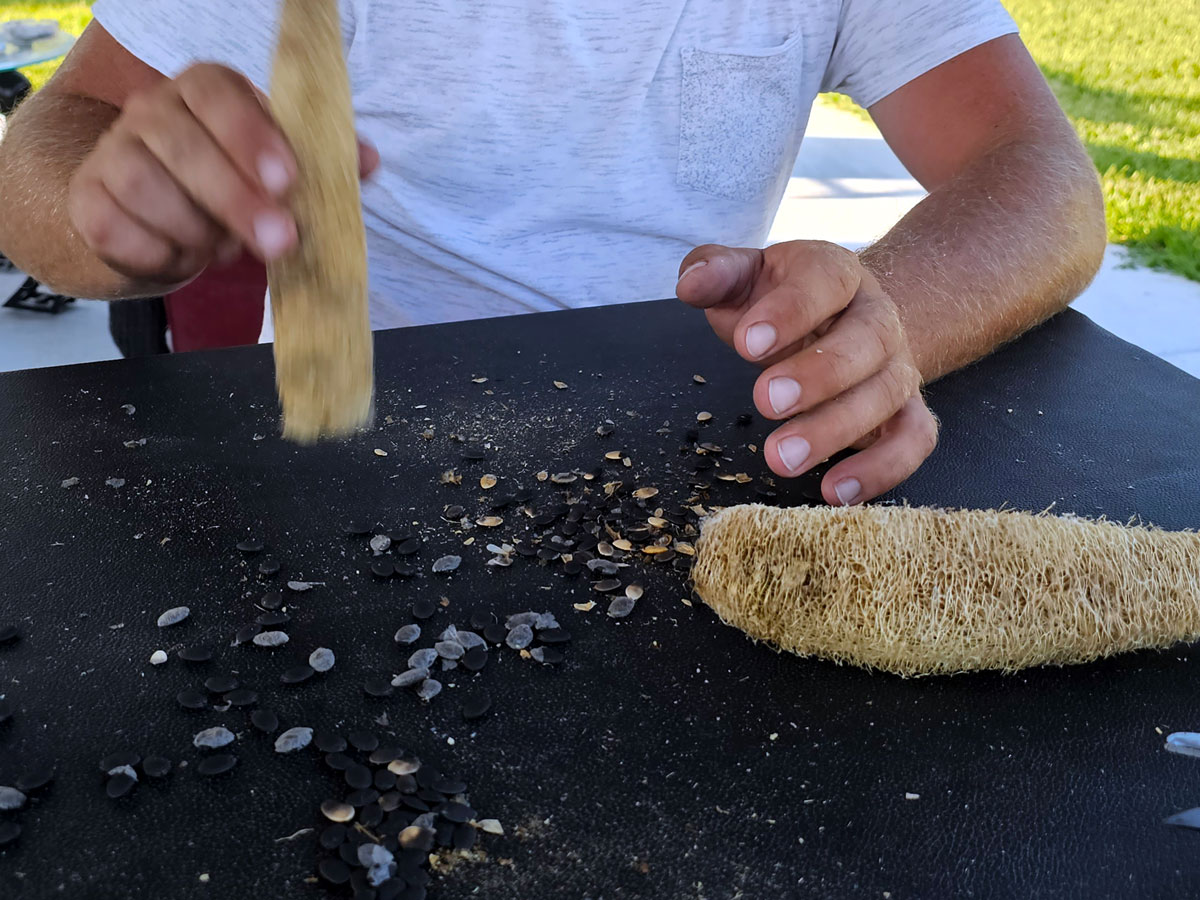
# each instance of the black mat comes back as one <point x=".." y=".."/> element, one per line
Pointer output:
<point x="668" y="757"/>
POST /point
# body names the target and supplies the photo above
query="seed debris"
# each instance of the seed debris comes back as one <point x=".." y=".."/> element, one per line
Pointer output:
<point x="11" y="798"/>
<point x="173" y="616"/>
<point x="271" y="639"/>
<point x="447" y="563"/>
<point x="158" y="657"/>
<point x="429" y="689"/>
<point x="620" y="607"/>
<point x="293" y="739"/>
<point x="408" y="634"/>
<point x="321" y="659"/>
<point x="213" y="738"/>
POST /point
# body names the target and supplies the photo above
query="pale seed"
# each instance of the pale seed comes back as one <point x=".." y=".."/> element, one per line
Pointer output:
<point x="634" y="592"/>
<point x="337" y="812"/>
<point x="645" y="493"/>
<point x="704" y="417"/>
<point x="487" y="482"/>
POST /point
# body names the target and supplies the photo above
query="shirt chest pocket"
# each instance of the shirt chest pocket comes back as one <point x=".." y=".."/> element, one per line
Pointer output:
<point x="740" y="118"/>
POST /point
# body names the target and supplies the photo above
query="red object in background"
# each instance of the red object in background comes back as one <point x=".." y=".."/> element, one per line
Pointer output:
<point x="221" y="308"/>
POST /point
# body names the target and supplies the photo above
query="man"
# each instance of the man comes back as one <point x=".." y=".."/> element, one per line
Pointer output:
<point x="539" y="154"/>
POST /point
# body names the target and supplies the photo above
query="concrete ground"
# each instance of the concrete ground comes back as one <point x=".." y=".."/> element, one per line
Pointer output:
<point x="847" y="187"/>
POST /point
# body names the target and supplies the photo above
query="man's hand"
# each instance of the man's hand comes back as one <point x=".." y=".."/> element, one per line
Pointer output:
<point x="837" y="365"/>
<point x="193" y="169"/>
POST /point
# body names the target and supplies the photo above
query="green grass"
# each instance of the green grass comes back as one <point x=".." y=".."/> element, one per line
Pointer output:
<point x="73" y="16"/>
<point x="1128" y="74"/>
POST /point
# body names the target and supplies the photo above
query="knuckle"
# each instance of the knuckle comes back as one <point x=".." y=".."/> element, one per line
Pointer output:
<point x="926" y="428"/>
<point x="130" y="182"/>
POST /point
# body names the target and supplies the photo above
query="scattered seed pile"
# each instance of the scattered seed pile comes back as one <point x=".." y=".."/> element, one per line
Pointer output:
<point x="927" y="591"/>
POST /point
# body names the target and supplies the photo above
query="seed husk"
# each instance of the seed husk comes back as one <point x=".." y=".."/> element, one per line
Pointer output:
<point x="173" y="616"/>
<point x="645" y="493"/>
<point x="520" y="637"/>
<point x="217" y="765"/>
<point x="293" y="739"/>
<point x="585" y="607"/>
<point x="158" y="657"/>
<point x="699" y="379"/>
<point x="487" y="482"/>
<point x="213" y="738"/>
<point x="321" y="659"/>
<point x="156" y="767"/>
<point x="489" y="521"/>
<point x="423" y="658"/>
<point x="380" y="543"/>
<point x="704" y="417"/>
<point x="468" y="640"/>
<point x="451" y="650"/>
<point x="264" y="720"/>
<point x="411" y="677"/>
<point x="297" y="674"/>
<point x="620" y="607"/>
<point x="623" y="544"/>
<point x="429" y="689"/>
<point x="447" y="563"/>
<point x="634" y="592"/>
<point x="490" y="826"/>
<point x="271" y="639"/>
<point x="614" y="455"/>
<point x="118" y="786"/>
<point x="408" y="634"/>
<point x="337" y="811"/>
<point x="685" y="548"/>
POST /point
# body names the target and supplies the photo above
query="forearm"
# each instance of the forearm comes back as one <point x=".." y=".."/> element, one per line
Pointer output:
<point x="46" y="141"/>
<point x="1006" y="244"/>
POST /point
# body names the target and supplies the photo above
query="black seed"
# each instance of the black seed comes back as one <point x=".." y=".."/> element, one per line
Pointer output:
<point x="607" y="585"/>
<point x="457" y="812"/>
<point x="221" y="684"/>
<point x="269" y="567"/>
<point x="453" y="512"/>
<point x="339" y="762"/>
<point x="476" y="706"/>
<point x="357" y="527"/>
<point x="358" y="777"/>
<point x="443" y="833"/>
<point x="119" y="785"/>
<point x="744" y="419"/>
<point x="496" y="632"/>
<point x="482" y="618"/>
<point x="6" y="710"/>
<point x="429" y="795"/>
<point x="371" y="814"/>
<point x="217" y="765"/>
<point x="405" y="570"/>
<point x="464" y="837"/>
<point x="548" y="554"/>
<point x="554" y="636"/>
<point x="332" y="837"/>
<point x="385" y="753"/>
<point x="408" y="547"/>
<point x="362" y="797"/>
<point x="358" y="884"/>
<point x="423" y="609"/>
<point x="414" y="802"/>
<point x="573" y="568"/>
<point x="191" y="698"/>
<point x="242" y="697"/>
<point x="273" y="618"/>
<point x="247" y="633"/>
<point x="378" y="686"/>
<point x="156" y="766"/>
<point x="390" y="801"/>
<point x="382" y="568"/>
<point x="9" y="832"/>
<point x="364" y="741"/>
<point x="118" y="759"/>
<point x="447" y="785"/>
<point x="271" y="600"/>
<point x="327" y="742"/>
<point x="35" y="780"/>
<point x="390" y="889"/>
<point x="406" y="784"/>
<point x="9" y="633"/>
<point x="334" y="871"/>
<point x="349" y="853"/>
<point x="250" y="545"/>
<point x="196" y="654"/>
<point x="475" y="658"/>
<point x="551" y="656"/>
<point x="264" y="720"/>
<point x="297" y="674"/>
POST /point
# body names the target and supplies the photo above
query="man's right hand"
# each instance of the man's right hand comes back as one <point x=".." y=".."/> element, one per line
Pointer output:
<point x="192" y="170"/>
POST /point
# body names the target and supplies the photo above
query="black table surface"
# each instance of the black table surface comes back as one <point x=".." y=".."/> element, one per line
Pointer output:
<point x="669" y="756"/>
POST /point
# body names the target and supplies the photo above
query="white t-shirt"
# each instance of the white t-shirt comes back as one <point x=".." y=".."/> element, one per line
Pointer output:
<point x="542" y="154"/>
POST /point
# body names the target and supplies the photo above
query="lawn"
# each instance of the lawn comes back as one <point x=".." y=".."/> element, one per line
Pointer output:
<point x="1126" y="71"/>
<point x="72" y="16"/>
<point x="1128" y="74"/>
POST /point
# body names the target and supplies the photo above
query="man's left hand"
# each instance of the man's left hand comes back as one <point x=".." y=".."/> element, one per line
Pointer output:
<point x="837" y="365"/>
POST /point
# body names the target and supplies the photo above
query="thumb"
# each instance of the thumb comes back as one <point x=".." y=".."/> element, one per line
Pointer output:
<point x="713" y="275"/>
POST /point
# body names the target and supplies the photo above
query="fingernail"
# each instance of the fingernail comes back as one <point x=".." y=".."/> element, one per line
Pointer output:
<point x="274" y="174"/>
<point x="760" y="339"/>
<point x="794" y="452"/>
<point x="273" y="233"/>
<point x="692" y="268"/>
<point x="784" y="393"/>
<point x="847" y="490"/>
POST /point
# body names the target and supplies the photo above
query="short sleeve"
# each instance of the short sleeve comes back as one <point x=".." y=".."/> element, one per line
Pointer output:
<point x="170" y="35"/>
<point x="882" y="45"/>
